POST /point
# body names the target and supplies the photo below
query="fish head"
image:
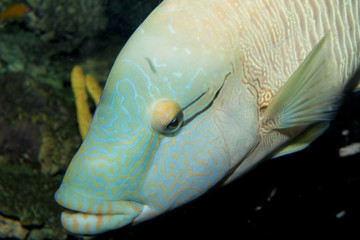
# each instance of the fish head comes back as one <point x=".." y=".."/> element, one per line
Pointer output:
<point x="163" y="132"/>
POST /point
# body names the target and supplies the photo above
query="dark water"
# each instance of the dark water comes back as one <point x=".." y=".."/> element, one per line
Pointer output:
<point x="312" y="193"/>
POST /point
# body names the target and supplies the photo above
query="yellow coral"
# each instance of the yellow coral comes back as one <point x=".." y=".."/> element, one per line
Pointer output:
<point x="93" y="88"/>
<point x="79" y="85"/>
<point x="82" y="107"/>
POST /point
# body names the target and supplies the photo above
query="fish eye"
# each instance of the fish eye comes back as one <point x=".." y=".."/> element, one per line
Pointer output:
<point x="166" y="116"/>
<point x="175" y="123"/>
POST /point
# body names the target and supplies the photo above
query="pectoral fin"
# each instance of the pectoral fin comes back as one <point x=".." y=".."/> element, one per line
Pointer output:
<point x="303" y="140"/>
<point x="300" y="111"/>
<point x="310" y="95"/>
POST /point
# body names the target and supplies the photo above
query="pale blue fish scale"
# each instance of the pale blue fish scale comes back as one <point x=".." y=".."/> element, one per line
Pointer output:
<point x="111" y="145"/>
<point x="183" y="172"/>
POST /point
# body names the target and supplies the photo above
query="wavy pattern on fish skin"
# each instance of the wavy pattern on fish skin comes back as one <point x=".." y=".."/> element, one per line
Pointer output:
<point x="274" y="37"/>
<point x="182" y="170"/>
<point x="182" y="166"/>
<point x="105" y="166"/>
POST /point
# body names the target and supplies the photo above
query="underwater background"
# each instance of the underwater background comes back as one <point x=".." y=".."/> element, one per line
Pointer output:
<point x="313" y="193"/>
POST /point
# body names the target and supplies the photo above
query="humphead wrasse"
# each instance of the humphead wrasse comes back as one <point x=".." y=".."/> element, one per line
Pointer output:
<point x="201" y="93"/>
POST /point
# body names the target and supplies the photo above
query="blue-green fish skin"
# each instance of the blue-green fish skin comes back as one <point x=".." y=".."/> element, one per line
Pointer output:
<point x="199" y="95"/>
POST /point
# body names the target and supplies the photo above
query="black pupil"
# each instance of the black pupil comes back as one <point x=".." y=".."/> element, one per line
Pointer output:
<point x="173" y="124"/>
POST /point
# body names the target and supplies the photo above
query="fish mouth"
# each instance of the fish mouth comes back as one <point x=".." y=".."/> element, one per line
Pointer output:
<point x="89" y="216"/>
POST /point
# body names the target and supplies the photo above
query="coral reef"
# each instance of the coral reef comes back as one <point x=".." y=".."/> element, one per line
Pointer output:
<point x="41" y="42"/>
<point x="27" y="208"/>
<point x="12" y="228"/>
<point x="55" y="34"/>
<point x="67" y="23"/>
<point x="34" y="122"/>
<point x="34" y="125"/>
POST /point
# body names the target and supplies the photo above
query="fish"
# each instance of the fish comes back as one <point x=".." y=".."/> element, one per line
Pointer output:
<point x="14" y="11"/>
<point x="201" y="93"/>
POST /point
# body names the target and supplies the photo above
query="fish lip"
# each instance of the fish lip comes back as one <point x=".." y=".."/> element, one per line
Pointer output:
<point x="88" y="224"/>
<point x="74" y="202"/>
<point x="86" y="215"/>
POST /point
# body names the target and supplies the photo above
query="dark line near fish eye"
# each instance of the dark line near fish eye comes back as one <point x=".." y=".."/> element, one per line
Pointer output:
<point x="195" y="100"/>
<point x="152" y="67"/>
<point x="210" y="103"/>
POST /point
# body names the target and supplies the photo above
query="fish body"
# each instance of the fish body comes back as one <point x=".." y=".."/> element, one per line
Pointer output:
<point x="14" y="11"/>
<point x="201" y="93"/>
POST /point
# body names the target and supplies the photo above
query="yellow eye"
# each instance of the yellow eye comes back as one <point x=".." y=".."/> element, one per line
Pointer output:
<point x="166" y="116"/>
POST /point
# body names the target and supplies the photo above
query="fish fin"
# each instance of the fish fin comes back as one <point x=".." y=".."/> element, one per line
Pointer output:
<point x="303" y="140"/>
<point x="353" y="83"/>
<point x="356" y="80"/>
<point x="310" y="95"/>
